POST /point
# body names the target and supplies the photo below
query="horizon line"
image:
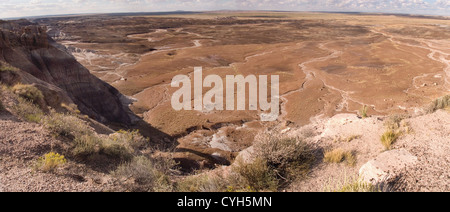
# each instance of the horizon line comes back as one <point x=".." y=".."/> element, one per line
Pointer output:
<point x="446" y="17"/>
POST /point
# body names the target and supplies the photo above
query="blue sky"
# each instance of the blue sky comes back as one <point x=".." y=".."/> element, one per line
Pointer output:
<point x="20" y="8"/>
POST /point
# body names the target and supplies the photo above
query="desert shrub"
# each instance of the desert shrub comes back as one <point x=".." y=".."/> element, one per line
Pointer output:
<point x="441" y="103"/>
<point x="71" y="108"/>
<point x="146" y="173"/>
<point x="28" y="92"/>
<point x="49" y="162"/>
<point x="28" y="111"/>
<point x="395" y="122"/>
<point x="358" y="186"/>
<point x="133" y="139"/>
<point x="389" y="138"/>
<point x="363" y="111"/>
<point x="201" y="183"/>
<point x="124" y="144"/>
<point x="66" y="125"/>
<point x="6" y="67"/>
<point x="86" y="145"/>
<point x="116" y="150"/>
<point x="288" y="157"/>
<point x="258" y="176"/>
<point x="339" y="156"/>
<point x="352" y="185"/>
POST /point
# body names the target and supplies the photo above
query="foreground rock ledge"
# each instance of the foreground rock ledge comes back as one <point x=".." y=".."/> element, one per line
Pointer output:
<point x="387" y="167"/>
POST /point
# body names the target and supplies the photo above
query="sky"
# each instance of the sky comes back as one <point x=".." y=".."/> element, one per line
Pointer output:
<point x="23" y="8"/>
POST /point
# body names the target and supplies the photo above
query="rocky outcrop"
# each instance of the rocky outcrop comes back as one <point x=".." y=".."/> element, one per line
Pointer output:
<point x="27" y="47"/>
<point x="387" y="167"/>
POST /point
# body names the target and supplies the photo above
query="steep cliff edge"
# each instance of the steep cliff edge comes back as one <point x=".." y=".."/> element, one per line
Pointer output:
<point x="42" y="61"/>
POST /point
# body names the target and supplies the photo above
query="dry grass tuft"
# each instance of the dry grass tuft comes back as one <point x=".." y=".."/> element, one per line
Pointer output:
<point x="389" y="138"/>
<point x="339" y="156"/>
<point x="363" y="112"/>
<point x="441" y="103"/>
<point x="353" y="184"/>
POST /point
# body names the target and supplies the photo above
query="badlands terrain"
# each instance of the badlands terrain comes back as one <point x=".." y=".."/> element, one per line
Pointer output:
<point x="328" y="63"/>
<point x="331" y="67"/>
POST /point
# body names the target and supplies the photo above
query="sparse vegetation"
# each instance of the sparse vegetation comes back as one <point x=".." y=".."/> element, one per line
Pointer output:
<point x="147" y="174"/>
<point x="395" y="127"/>
<point x="86" y="142"/>
<point x="338" y="139"/>
<point x="203" y="183"/>
<point x="352" y="185"/>
<point x="28" y="92"/>
<point x="71" y="108"/>
<point x="389" y="138"/>
<point x="5" y="67"/>
<point x="395" y="122"/>
<point x="339" y="156"/>
<point x="23" y="108"/>
<point x="49" y="162"/>
<point x="258" y="175"/>
<point x="86" y="145"/>
<point x="441" y="103"/>
<point x="133" y="139"/>
<point x="353" y="137"/>
<point x="289" y="158"/>
<point x="363" y="112"/>
<point x="28" y="111"/>
<point x="115" y="149"/>
<point x="66" y="125"/>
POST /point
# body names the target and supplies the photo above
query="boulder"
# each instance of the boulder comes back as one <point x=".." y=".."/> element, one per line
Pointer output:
<point x="387" y="167"/>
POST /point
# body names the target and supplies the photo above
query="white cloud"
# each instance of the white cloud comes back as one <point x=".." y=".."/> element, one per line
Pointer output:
<point x="11" y="8"/>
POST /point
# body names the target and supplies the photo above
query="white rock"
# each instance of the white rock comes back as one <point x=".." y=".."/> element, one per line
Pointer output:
<point x="246" y="155"/>
<point x="386" y="167"/>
